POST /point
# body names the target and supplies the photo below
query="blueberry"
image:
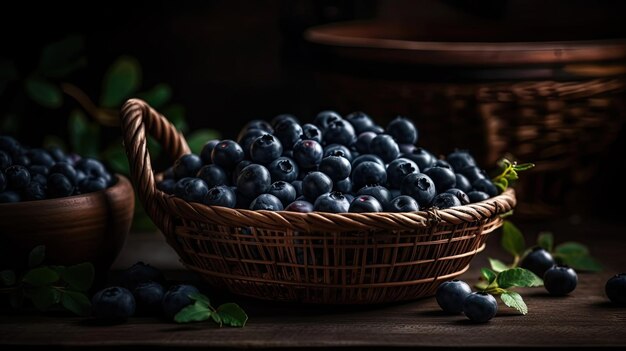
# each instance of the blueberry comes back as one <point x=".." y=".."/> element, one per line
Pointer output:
<point x="241" y="165"/>
<point x="480" y="307"/>
<point x="338" y="150"/>
<point x="283" y="168"/>
<point x="477" y="196"/>
<point x="40" y="157"/>
<point x="402" y="130"/>
<point x="461" y="159"/>
<point x="403" y="203"/>
<point x="301" y="206"/>
<point x="367" y="157"/>
<point x="368" y="173"/>
<point x="333" y="202"/>
<point x="34" y="191"/>
<point x="207" y="151"/>
<point x="59" y="186"/>
<point x="221" y="196"/>
<point x="39" y="178"/>
<point x="451" y="295"/>
<point x="66" y="169"/>
<point x="187" y="166"/>
<point x="168" y="173"/>
<point x="259" y="124"/>
<point x="288" y="133"/>
<point x="365" y="203"/>
<point x="385" y="147"/>
<point x="148" y="298"/>
<point x="267" y="202"/>
<point x="247" y="137"/>
<point x="560" y="280"/>
<point x="538" y="261"/>
<point x="9" y="196"/>
<point x="9" y="145"/>
<point x="339" y="132"/>
<point x="363" y="142"/>
<point x="92" y="184"/>
<point x="375" y="129"/>
<point x="343" y="186"/>
<point x="3" y="181"/>
<point x="398" y="169"/>
<point x="176" y="298"/>
<point x="140" y="273"/>
<point x="473" y="174"/>
<point x="324" y="118"/>
<point x="406" y="148"/>
<point x="167" y="186"/>
<point x="226" y="154"/>
<point x="486" y="186"/>
<point x="462" y="183"/>
<point x="615" y="289"/>
<point x="360" y="121"/>
<point x="445" y="200"/>
<point x="443" y="178"/>
<point x="57" y="154"/>
<point x="311" y="132"/>
<point x="395" y="193"/>
<point x="382" y="194"/>
<point x="335" y="167"/>
<point x="5" y="160"/>
<point x="253" y="181"/>
<point x="443" y="164"/>
<point x="17" y="177"/>
<point x="265" y="149"/>
<point x="92" y="167"/>
<point x="20" y="159"/>
<point x="39" y="169"/>
<point x="286" y="117"/>
<point x="284" y="191"/>
<point x="114" y="303"/>
<point x="297" y="185"/>
<point x="213" y="175"/>
<point x="420" y="187"/>
<point x="460" y="194"/>
<point x="308" y="153"/>
<point x="191" y="189"/>
<point x="421" y="157"/>
<point x="316" y="184"/>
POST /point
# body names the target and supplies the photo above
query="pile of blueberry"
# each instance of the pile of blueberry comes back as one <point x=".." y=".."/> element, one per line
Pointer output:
<point x="141" y="292"/>
<point x="332" y="165"/>
<point x="37" y="174"/>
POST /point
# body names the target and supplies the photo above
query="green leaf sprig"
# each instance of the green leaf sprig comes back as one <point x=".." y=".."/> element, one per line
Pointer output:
<point x="500" y="283"/>
<point x="49" y="287"/>
<point x="201" y="310"/>
<point x="509" y="173"/>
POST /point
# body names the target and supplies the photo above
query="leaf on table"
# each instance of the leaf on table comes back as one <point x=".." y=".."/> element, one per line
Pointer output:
<point x="7" y="277"/>
<point x="197" y="312"/>
<point x="76" y="302"/>
<point x="512" y="239"/>
<point x="43" y="297"/>
<point x="488" y="274"/>
<point x="233" y="315"/>
<point x="545" y="240"/>
<point x="515" y="300"/>
<point x="62" y="57"/>
<point x="201" y="298"/>
<point x="80" y="276"/>
<point x="582" y="263"/>
<point x="497" y="265"/>
<point x="158" y="96"/>
<point x="40" y="276"/>
<point x="519" y="277"/>
<point x="43" y="92"/>
<point x="121" y="80"/>
<point x="36" y="256"/>
<point x="571" y="248"/>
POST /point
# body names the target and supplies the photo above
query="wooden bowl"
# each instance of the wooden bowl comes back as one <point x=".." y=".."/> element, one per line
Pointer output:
<point x="83" y="228"/>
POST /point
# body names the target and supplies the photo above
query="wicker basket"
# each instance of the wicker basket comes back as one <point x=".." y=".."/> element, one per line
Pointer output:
<point x="307" y="257"/>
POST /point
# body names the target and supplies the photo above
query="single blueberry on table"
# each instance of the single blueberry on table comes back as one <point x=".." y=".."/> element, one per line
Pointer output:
<point x="267" y="202"/>
<point x="334" y="202"/>
<point x="451" y="295"/>
<point x="477" y="196"/>
<point x="301" y="206"/>
<point x="445" y="200"/>
<point x="288" y="133"/>
<point x="253" y="181"/>
<point x="403" y="203"/>
<point x="402" y="130"/>
<point x="462" y="183"/>
<point x="360" y="121"/>
<point x="265" y="149"/>
<point x="461" y="159"/>
<point x="140" y="273"/>
<point x="17" y="177"/>
<point x="486" y="186"/>
<point x="460" y="194"/>
<point x="443" y="178"/>
<point x="311" y="132"/>
<point x="324" y="118"/>
<point x="385" y="147"/>
<point x="226" y="154"/>
<point x="363" y="142"/>
<point x="221" y="195"/>
<point x="59" y="186"/>
<point x="335" y="167"/>
<point x="339" y="132"/>
<point x="615" y="289"/>
<point x="177" y="298"/>
<point x="308" y="153"/>
<point x="398" y="169"/>
<point x="9" y="196"/>
<point x="365" y="203"/>
<point x="187" y="166"/>
<point x="207" y="150"/>
<point x="148" y="298"/>
<point x="368" y="173"/>
<point x="538" y="261"/>
<point x="560" y="280"/>
<point x="480" y="307"/>
<point x="379" y="192"/>
<point x="338" y="150"/>
<point x="213" y="175"/>
<point x="316" y="184"/>
<point x="113" y="304"/>
<point x="284" y="191"/>
<point x="420" y="187"/>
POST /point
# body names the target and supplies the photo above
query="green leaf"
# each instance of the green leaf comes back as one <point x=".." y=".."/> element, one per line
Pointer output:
<point x="488" y="274"/>
<point x="523" y="166"/>
<point x="513" y="299"/>
<point x="201" y="298"/>
<point x="582" y="263"/>
<point x="497" y="265"/>
<point x="175" y="113"/>
<point x="518" y="277"/>
<point x="158" y="96"/>
<point x="197" y="312"/>
<point x="501" y="183"/>
<point x="84" y="136"/>
<point x="481" y="285"/>
<point x="233" y="315"/>
<point x="79" y="277"/>
<point x="198" y="138"/>
<point x="76" y="302"/>
<point x="43" y="297"/>
<point x="43" y="92"/>
<point x="512" y="176"/>
<point x="40" y="276"/>
<point x="121" y="80"/>
<point x="116" y="158"/>
<point x="512" y="239"/>
<point x="7" y="277"/>
<point x="63" y="57"/>
<point x="8" y="71"/>
<point x="494" y="290"/>
<point x="571" y="248"/>
<point x="217" y="319"/>
<point x="36" y="256"/>
<point x="546" y="241"/>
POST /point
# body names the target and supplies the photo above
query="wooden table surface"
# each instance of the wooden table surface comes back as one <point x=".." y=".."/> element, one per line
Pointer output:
<point x="584" y="318"/>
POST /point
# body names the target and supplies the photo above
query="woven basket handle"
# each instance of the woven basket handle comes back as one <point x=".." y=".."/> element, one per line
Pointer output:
<point x="137" y="117"/>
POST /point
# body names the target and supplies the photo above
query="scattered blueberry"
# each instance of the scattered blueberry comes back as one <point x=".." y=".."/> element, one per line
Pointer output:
<point x="451" y="295"/>
<point x="615" y="289"/>
<point x="148" y="297"/>
<point x="480" y="307"/>
<point x="538" y="261"/>
<point x="140" y="273"/>
<point x="560" y="280"/>
<point x="113" y="304"/>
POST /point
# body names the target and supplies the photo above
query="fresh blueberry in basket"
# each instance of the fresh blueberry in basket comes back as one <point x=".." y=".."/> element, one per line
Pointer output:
<point x="385" y="147"/>
<point x="615" y="289"/>
<point x="241" y="165"/>
<point x="221" y="195"/>
<point x="5" y="160"/>
<point x="59" y="186"/>
<point x="477" y="196"/>
<point x="420" y="187"/>
<point x="253" y="181"/>
<point x="17" y="177"/>
<point x="266" y="202"/>
<point x="64" y="168"/>
<point x="461" y="159"/>
<point x="473" y="174"/>
<point x="187" y="166"/>
<point x="284" y="191"/>
<point x="462" y="183"/>
<point x="265" y="149"/>
<point x="368" y="173"/>
<point x="297" y="185"/>
<point x="460" y="194"/>
<point x="333" y="202"/>
<point x="94" y="168"/>
<point x="486" y="186"/>
<point x="9" y="196"/>
<point x="480" y="307"/>
<point x="339" y="132"/>
<point x="403" y="203"/>
<point x="213" y="175"/>
<point x="560" y="280"/>
<point x="176" y="298"/>
<point x="207" y="151"/>
<point x="343" y="186"/>
<point x="451" y="295"/>
<point x="288" y="133"/>
<point x="247" y="137"/>
<point x="113" y="304"/>
<point x="379" y="192"/>
<point x="402" y="130"/>
<point x="538" y="261"/>
<point x="20" y="159"/>
<point x="57" y="154"/>
<point x="34" y="191"/>
<point x="140" y="273"/>
<point x="445" y="200"/>
<point x="148" y="297"/>
<point x="226" y="154"/>
<point x="360" y="121"/>
<point x="335" y="167"/>
<point x="443" y="178"/>
<point x="311" y="132"/>
<point x="316" y="184"/>
<point x="443" y="164"/>
<point x="192" y="190"/>
<point x="301" y="206"/>
<point x="363" y="142"/>
<point x="9" y="145"/>
<point x="406" y="148"/>
<point x="259" y="124"/>
<point x="285" y="117"/>
<point x="167" y="186"/>
<point x="308" y="153"/>
<point x="324" y="118"/>
<point x="40" y="157"/>
<point x="365" y="158"/>
<point x="422" y="158"/>
<point x="398" y="169"/>
<point x="3" y="181"/>
<point x="338" y="150"/>
<point x="365" y="203"/>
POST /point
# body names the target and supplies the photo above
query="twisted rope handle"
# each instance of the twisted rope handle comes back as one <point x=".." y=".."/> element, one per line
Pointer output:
<point x="137" y="117"/>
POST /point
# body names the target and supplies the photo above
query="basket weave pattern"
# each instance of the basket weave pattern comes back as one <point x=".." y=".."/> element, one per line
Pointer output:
<point x="349" y="258"/>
